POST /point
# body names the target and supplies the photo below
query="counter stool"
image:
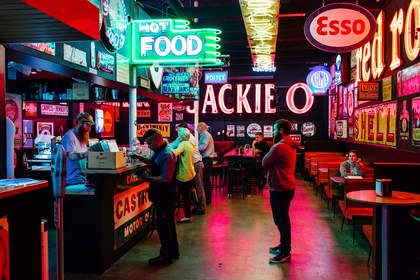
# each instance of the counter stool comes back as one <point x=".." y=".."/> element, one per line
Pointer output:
<point x="218" y="175"/>
<point x="237" y="181"/>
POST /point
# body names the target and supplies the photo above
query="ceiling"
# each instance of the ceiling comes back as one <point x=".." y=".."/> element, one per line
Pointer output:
<point x="292" y="47"/>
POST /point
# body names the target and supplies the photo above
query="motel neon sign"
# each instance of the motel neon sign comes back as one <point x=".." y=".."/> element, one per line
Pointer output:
<point x="214" y="104"/>
<point x="172" y="42"/>
<point x="370" y="57"/>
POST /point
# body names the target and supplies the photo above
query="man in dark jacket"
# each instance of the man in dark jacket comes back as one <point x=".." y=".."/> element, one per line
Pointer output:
<point x="162" y="192"/>
<point x="280" y="162"/>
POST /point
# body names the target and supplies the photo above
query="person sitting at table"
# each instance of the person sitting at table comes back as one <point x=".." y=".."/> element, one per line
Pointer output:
<point x="260" y="148"/>
<point x="199" y="198"/>
<point x="352" y="166"/>
<point x="186" y="173"/>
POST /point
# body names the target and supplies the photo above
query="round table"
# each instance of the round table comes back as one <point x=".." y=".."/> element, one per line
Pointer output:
<point x="397" y="199"/>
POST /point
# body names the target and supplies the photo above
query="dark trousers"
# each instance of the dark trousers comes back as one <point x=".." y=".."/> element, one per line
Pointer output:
<point x="280" y="203"/>
<point x="208" y="162"/>
<point x="166" y="230"/>
<point x="185" y="189"/>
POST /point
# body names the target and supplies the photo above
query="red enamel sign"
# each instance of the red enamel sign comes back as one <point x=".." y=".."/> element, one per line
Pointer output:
<point x="340" y="27"/>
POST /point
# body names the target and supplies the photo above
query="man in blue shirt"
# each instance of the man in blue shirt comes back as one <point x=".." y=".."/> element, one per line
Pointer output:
<point x="162" y="192"/>
<point x="206" y="148"/>
<point x="75" y="143"/>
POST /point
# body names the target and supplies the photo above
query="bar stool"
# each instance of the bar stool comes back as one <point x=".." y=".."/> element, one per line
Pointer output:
<point x="237" y="181"/>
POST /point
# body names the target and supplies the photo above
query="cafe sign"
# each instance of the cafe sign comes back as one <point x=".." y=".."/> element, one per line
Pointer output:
<point x="340" y="27"/>
<point x="172" y="42"/>
<point x="376" y="124"/>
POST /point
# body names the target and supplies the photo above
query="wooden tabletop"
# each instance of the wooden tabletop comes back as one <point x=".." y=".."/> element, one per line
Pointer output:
<point x="114" y="171"/>
<point x="15" y="188"/>
<point x="247" y="153"/>
<point x="397" y="198"/>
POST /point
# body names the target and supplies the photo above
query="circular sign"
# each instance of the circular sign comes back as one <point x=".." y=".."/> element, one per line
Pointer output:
<point x="253" y="129"/>
<point x="319" y="80"/>
<point x="308" y="129"/>
<point x="340" y="27"/>
<point x="114" y="24"/>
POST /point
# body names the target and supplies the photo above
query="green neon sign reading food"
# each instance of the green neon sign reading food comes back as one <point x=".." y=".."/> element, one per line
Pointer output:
<point x="172" y="42"/>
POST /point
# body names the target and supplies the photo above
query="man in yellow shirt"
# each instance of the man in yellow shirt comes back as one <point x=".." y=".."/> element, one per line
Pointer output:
<point x="186" y="172"/>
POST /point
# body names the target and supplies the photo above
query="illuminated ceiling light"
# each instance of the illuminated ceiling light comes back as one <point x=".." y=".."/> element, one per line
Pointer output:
<point x="261" y="23"/>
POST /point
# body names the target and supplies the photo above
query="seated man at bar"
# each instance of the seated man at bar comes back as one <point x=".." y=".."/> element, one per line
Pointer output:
<point x="260" y="148"/>
<point x="162" y="192"/>
<point x="75" y="143"/>
<point x="199" y="198"/>
<point x="186" y="173"/>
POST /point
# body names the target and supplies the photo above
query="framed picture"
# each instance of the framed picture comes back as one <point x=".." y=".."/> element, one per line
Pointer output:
<point x="44" y="128"/>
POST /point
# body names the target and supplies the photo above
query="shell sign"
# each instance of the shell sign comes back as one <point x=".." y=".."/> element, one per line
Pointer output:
<point x="340" y="27"/>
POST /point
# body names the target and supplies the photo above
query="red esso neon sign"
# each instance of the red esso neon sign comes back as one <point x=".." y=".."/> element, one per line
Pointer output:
<point x="340" y="27"/>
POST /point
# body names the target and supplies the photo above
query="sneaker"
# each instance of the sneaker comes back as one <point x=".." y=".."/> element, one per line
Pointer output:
<point x="280" y="258"/>
<point x="275" y="250"/>
<point x="160" y="261"/>
<point x="185" y="220"/>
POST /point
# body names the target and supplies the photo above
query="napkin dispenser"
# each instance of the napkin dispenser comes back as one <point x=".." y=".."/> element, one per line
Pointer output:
<point x="383" y="187"/>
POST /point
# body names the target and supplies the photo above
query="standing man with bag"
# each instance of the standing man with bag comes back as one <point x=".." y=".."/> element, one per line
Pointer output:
<point x="280" y="162"/>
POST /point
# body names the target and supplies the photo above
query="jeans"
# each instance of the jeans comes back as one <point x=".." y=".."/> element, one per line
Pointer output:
<point x="185" y="190"/>
<point x="208" y="162"/>
<point x="166" y="230"/>
<point x="280" y="203"/>
<point x="199" y="202"/>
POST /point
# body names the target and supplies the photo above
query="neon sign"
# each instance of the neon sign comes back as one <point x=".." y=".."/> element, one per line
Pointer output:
<point x="215" y="77"/>
<point x="171" y="42"/>
<point x="319" y="79"/>
<point x="242" y="101"/>
<point x="374" y="52"/>
<point x="99" y="121"/>
<point x="290" y="98"/>
<point x="261" y="23"/>
<point x="114" y="26"/>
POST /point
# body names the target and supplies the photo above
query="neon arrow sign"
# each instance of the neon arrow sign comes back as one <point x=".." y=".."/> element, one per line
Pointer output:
<point x="172" y="42"/>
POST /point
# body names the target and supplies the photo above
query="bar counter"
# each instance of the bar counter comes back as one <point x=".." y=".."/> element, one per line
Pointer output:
<point x="21" y="234"/>
<point x="101" y="224"/>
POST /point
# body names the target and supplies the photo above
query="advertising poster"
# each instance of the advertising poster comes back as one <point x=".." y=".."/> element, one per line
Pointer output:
<point x="341" y="129"/>
<point x="308" y="129"/>
<point x="230" y="130"/>
<point x="164" y="128"/>
<point x="14" y="113"/>
<point x="294" y="126"/>
<point x="144" y="114"/>
<point x="253" y="129"/>
<point x="408" y="80"/>
<point x="368" y="91"/>
<point x="404" y="123"/>
<point x="127" y="223"/>
<point x="345" y="106"/>
<point x="4" y="249"/>
<point x="268" y="131"/>
<point x="28" y="130"/>
<point x="376" y="124"/>
<point x="45" y="128"/>
<point x="165" y="112"/>
<point x="99" y="121"/>
<point x="387" y="88"/>
<point x="48" y="48"/>
<point x="105" y="62"/>
<point x="74" y="55"/>
<point x="54" y="110"/>
<point x="240" y="131"/>
<point x="179" y="116"/>
<point x="108" y="121"/>
<point x="31" y="109"/>
<point x="416" y="121"/>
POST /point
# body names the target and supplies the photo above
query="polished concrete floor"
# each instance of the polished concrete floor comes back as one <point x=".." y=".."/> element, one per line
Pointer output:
<point x="231" y="242"/>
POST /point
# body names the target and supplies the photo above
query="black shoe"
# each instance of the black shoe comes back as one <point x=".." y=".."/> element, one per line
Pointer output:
<point x="275" y="250"/>
<point x="280" y="258"/>
<point x="160" y="261"/>
<point x="198" y="212"/>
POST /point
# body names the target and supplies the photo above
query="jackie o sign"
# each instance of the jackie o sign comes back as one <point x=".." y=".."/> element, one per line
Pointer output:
<point x="340" y="27"/>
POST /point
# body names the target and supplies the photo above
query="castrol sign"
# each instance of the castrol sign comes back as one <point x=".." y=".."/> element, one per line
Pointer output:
<point x="340" y="27"/>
